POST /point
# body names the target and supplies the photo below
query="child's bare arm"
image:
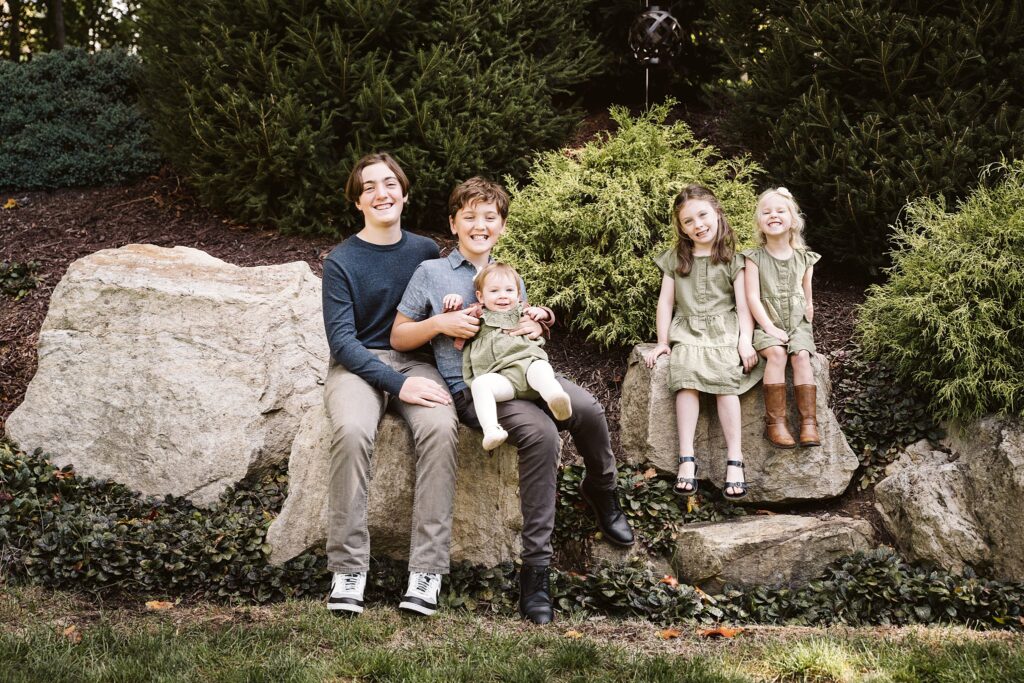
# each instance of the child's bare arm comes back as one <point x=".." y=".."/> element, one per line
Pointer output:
<point x="748" y="356"/>
<point x="808" y="295"/>
<point x="666" y="302"/>
<point x="752" y="288"/>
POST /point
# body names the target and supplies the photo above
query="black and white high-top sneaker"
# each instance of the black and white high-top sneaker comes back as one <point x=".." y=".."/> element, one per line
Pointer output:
<point x="346" y="597"/>
<point x="421" y="595"/>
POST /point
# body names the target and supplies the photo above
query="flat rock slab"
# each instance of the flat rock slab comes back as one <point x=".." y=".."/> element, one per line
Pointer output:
<point x="961" y="505"/>
<point x="174" y="372"/>
<point x="774" y="475"/>
<point x="487" y="521"/>
<point x="770" y="550"/>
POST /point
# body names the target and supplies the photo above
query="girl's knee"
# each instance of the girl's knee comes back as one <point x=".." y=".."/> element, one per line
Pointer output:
<point x="774" y="354"/>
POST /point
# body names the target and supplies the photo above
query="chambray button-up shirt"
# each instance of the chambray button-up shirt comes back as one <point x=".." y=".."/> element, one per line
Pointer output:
<point x="423" y="298"/>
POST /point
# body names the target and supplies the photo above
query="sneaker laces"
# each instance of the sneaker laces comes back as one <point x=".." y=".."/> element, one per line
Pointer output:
<point x="423" y="581"/>
<point x="348" y="582"/>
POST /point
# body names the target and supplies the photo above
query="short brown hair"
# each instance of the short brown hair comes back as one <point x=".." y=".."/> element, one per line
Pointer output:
<point x="492" y="269"/>
<point x="354" y="184"/>
<point x="477" y="190"/>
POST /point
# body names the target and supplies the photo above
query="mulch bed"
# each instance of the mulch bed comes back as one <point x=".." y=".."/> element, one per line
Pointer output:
<point x="56" y="228"/>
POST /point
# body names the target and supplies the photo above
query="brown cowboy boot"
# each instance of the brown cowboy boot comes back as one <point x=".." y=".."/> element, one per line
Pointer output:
<point x="806" y="404"/>
<point x="775" y="428"/>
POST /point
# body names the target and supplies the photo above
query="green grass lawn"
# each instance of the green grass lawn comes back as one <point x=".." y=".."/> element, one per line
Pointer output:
<point x="57" y="637"/>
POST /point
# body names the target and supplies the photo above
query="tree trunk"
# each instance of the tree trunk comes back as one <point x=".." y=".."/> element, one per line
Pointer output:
<point x="57" y="17"/>
<point x="14" y="35"/>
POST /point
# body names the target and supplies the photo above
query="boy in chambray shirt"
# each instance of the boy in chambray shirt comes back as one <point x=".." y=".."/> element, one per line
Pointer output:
<point x="477" y="210"/>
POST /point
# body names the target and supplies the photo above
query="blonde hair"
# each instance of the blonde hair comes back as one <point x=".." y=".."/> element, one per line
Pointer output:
<point x="796" y="232"/>
<point x="494" y="269"/>
<point x="724" y="246"/>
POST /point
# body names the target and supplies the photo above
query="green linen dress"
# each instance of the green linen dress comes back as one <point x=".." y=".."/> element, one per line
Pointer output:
<point x="491" y="350"/>
<point x="782" y="295"/>
<point x="705" y="329"/>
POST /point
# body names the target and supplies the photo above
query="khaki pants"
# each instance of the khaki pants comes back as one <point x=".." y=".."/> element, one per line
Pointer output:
<point x="355" y="410"/>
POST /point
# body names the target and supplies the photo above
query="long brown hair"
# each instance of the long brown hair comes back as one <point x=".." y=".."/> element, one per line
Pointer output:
<point x="724" y="246"/>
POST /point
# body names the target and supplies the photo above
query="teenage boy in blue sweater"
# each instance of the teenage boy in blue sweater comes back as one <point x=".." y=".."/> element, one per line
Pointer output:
<point x="364" y="278"/>
<point x="477" y="210"/>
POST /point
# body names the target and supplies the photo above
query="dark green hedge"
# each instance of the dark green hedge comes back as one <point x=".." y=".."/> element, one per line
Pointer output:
<point x="71" y="118"/>
<point x="861" y="105"/>
<point x="265" y="104"/>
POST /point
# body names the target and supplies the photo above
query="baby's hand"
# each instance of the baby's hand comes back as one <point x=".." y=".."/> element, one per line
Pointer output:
<point x="778" y="333"/>
<point x="451" y="302"/>
<point x="651" y="357"/>
<point x="536" y="313"/>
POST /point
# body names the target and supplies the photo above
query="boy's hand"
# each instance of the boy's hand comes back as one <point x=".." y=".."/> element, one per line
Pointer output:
<point x="528" y="326"/>
<point x="778" y="333"/>
<point x="458" y="324"/>
<point x="451" y="302"/>
<point x="422" y="391"/>
<point x="748" y="356"/>
<point x="651" y="357"/>
<point x="536" y="313"/>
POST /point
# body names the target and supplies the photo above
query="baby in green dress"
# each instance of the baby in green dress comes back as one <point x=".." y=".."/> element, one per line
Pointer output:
<point x="704" y="325"/>
<point x="779" y="291"/>
<point x="499" y="366"/>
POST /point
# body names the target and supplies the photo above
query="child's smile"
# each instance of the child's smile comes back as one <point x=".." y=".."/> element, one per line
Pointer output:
<point x="699" y="222"/>
<point x="500" y="293"/>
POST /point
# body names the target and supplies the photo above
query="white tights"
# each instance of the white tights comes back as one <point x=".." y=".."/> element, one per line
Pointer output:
<point x="491" y="388"/>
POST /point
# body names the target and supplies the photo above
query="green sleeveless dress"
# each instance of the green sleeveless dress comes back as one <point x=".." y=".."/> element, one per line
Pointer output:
<point x="491" y="350"/>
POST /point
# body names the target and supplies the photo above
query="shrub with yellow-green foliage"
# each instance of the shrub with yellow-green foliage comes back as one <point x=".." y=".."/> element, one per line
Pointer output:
<point x="584" y="232"/>
<point x="951" y="317"/>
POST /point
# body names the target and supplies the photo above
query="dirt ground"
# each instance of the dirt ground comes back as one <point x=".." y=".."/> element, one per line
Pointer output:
<point x="56" y="228"/>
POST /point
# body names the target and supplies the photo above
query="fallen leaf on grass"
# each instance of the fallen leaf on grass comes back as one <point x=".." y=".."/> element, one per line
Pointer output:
<point x="721" y="632"/>
<point x="575" y="635"/>
<point x="12" y="203"/>
<point x="650" y="473"/>
<point x="669" y="633"/>
<point x="691" y="504"/>
<point x="154" y="605"/>
<point x="765" y="512"/>
<point x="73" y="634"/>
<point x="700" y="593"/>
<point x="670" y="580"/>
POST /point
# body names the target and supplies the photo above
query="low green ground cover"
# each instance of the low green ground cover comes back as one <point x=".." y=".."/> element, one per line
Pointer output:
<point x="63" y="531"/>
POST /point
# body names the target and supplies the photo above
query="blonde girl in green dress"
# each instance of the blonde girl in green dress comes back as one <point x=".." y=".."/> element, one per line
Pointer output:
<point x="779" y="291"/>
<point x="704" y="325"/>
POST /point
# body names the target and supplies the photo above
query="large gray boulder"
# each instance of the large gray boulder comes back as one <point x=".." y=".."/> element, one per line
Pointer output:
<point x="486" y="524"/>
<point x="173" y="372"/>
<point x="962" y="507"/>
<point x="769" y="550"/>
<point x="774" y="475"/>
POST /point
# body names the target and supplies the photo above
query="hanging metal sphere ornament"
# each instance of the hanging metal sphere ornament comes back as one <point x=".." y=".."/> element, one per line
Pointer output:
<point x="655" y="35"/>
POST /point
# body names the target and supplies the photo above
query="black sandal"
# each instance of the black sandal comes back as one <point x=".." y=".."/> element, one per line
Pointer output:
<point x="692" y="482"/>
<point x="741" y="485"/>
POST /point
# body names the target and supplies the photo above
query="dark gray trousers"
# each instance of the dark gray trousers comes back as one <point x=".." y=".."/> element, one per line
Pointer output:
<point x="533" y="430"/>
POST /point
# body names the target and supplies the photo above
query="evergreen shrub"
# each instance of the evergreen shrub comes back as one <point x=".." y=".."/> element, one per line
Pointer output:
<point x="859" y="106"/>
<point x="71" y="118"/>
<point x="584" y="232"/>
<point x="950" y="320"/>
<point x="265" y="104"/>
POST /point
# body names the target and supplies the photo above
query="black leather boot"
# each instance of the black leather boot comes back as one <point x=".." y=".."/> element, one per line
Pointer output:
<point x="610" y="518"/>
<point x="535" y="595"/>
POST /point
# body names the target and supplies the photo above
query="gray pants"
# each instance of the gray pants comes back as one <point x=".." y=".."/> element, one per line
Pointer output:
<point x="533" y="430"/>
<point x="355" y="410"/>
